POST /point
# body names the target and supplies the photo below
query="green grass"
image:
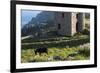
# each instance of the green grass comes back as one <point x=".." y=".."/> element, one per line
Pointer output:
<point x="61" y="43"/>
<point x="28" y="55"/>
<point x="57" y="38"/>
<point x="60" y="48"/>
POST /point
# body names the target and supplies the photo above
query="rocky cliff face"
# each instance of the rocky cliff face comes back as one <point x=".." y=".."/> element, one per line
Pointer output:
<point x="42" y="21"/>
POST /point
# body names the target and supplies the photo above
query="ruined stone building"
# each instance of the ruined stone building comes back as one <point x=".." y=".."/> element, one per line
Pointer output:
<point x="68" y="23"/>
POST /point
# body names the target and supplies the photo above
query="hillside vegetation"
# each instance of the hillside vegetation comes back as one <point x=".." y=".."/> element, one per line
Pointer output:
<point x="59" y="49"/>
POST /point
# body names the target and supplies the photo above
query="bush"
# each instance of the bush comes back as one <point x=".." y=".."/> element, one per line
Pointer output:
<point x="79" y="57"/>
<point x="85" y="52"/>
<point x="41" y="58"/>
<point x="27" y="55"/>
<point x="86" y="32"/>
<point x="77" y="34"/>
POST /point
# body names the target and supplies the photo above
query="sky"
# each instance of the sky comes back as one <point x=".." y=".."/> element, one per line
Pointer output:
<point x="27" y="15"/>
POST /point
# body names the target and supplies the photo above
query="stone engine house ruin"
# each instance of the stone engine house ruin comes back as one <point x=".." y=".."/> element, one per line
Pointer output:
<point x="68" y="23"/>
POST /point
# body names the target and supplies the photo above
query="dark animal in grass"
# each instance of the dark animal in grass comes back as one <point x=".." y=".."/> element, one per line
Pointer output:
<point x="41" y="50"/>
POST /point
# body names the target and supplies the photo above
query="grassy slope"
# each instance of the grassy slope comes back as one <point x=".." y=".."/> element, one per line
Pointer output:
<point x="59" y="49"/>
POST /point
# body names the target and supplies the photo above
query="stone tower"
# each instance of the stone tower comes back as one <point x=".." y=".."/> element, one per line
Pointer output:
<point x="80" y="22"/>
<point x="68" y="23"/>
